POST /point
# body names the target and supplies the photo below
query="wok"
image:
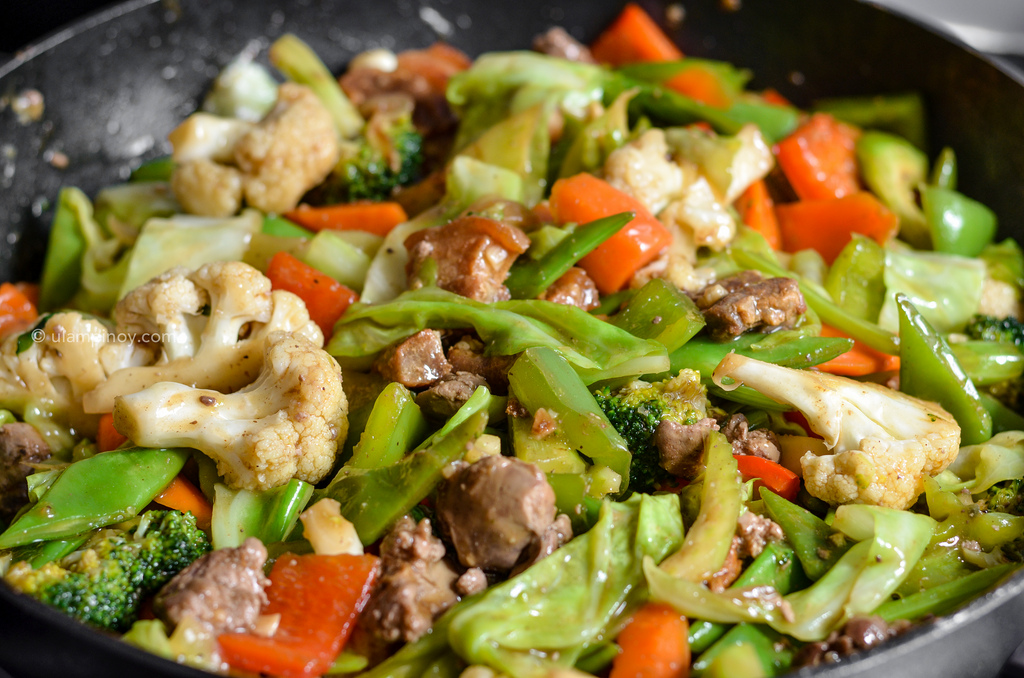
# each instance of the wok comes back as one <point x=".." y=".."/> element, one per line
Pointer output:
<point x="116" y="83"/>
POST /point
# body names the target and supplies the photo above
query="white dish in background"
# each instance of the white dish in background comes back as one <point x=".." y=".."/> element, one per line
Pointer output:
<point x="995" y="26"/>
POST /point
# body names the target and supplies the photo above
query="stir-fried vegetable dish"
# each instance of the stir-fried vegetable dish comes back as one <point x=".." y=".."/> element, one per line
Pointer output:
<point x="584" y="359"/>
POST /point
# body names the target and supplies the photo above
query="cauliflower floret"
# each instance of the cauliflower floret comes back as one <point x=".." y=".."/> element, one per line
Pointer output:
<point x="883" y="443"/>
<point x="999" y="299"/>
<point x="209" y="188"/>
<point x="700" y="213"/>
<point x="292" y="150"/>
<point x="210" y="327"/>
<point x="284" y="425"/>
<point x="57" y="363"/>
<point x="643" y="170"/>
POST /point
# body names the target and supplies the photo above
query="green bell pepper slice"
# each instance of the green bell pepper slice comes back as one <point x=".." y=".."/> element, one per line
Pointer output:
<point x="900" y="114"/>
<point x="929" y="370"/>
<point x="95" y="492"/>
<point x="856" y="280"/>
<point x="660" y="311"/>
<point x="157" y="169"/>
<point x="988" y="362"/>
<point x="957" y="224"/>
<point x="394" y="427"/>
<point x="269" y="515"/>
<point x="62" y="268"/>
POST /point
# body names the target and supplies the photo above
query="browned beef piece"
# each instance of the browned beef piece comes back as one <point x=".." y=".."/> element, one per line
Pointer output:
<point x="755" y="532"/>
<point x="471" y="581"/>
<point x="575" y="288"/>
<point x="731" y="569"/>
<point x="757" y="443"/>
<point x="681" y="447"/>
<point x="431" y="113"/>
<point x="860" y="633"/>
<point x="468" y="356"/>
<point x="224" y="589"/>
<point x="557" y="533"/>
<point x="494" y="512"/>
<point x="20" y="445"/>
<point x="414" y="362"/>
<point x="416" y="585"/>
<point x="473" y="255"/>
<point x="742" y="304"/>
<point x="557" y="42"/>
<point x="445" y="397"/>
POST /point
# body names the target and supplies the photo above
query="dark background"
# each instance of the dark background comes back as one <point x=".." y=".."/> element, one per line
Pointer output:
<point x="23" y="21"/>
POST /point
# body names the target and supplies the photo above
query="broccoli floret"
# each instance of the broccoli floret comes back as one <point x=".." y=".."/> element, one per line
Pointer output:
<point x="104" y="581"/>
<point x="636" y="409"/>
<point x="1004" y="497"/>
<point x="1008" y="330"/>
<point x="389" y="155"/>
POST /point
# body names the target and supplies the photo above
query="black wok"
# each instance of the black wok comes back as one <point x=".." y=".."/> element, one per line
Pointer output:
<point x="116" y="83"/>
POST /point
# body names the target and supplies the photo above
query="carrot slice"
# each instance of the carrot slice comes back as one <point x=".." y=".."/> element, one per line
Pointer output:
<point x="654" y="645"/>
<point x="773" y="97"/>
<point x="758" y="212"/>
<point x="319" y="599"/>
<point x="819" y="159"/>
<point x="375" y="217"/>
<point x="437" y="63"/>
<point x="828" y="225"/>
<point x="182" y="495"/>
<point x="326" y="299"/>
<point x="583" y="198"/>
<point x="16" y="309"/>
<point x="107" y="437"/>
<point x="859" y="360"/>
<point x="634" y="37"/>
<point x="702" y="85"/>
<point x="775" y="477"/>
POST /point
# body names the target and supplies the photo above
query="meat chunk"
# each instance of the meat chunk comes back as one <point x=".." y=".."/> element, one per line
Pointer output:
<point x="450" y="393"/>
<point x="754" y="533"/>
<point x="414" y="362"/>
<point x="292" y="150"/>
<point x="556" y="534"/>
<point x="757" y="443"/>
<point x="473" y="256"/>
<point x="731" y="569"/>
<point x="471" y="581"/>
<point x="575" y="288"/>
<point x="468" y="356"/>
<point x="734" y="306"/>
<point x="496" y="512"/>
<point x="860" y="633"/>
<point x="20" y="445"/>
<point x="223" y="589"/>
<point x="557" y="42"/>
<point x="682" y="447"/>
<point x="416" y="585"/>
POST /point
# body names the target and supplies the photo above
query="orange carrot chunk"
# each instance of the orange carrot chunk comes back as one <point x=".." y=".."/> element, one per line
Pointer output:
<point x="374" y="217"/>
<point x="107" y="437"/>
<point x="701" y="85"/>
<point x="319" y="599"/>
<point x="634" y="37"/>
<point x="775" y="477"/>
<point x="16" y="309"/>
<point x="828" y="225"/>
<point x="819" y="159"/>
<point x="182" y="495"/>
<point x="583" y="198"/>
<point x="654" y="645"/>
<point x="758" y="212"/>
<point x="858" y="361"/>
<point x="326" y="299"/>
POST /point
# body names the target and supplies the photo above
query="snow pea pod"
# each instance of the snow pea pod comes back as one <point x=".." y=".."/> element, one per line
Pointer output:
<point x="62" y="269"/>
<point x="856" y="280"/>
<point x="944" y="598"/>
<point x="394" y="426"/>
<point x="958" y="225"/>
<point x="42" y="552"/>
<point x="374" y="498"/>
<point x="269" y="515"/>
<point x="95" y="492"/>
<point x="157" y="169"/>
<point x="528" y="277"/>
<point x="816" y="544"/>
<point x="944" y="174"/>
<point x="929" y="370"/>
<point x="901" y="114"/>
<point x="1003" y="418"/>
